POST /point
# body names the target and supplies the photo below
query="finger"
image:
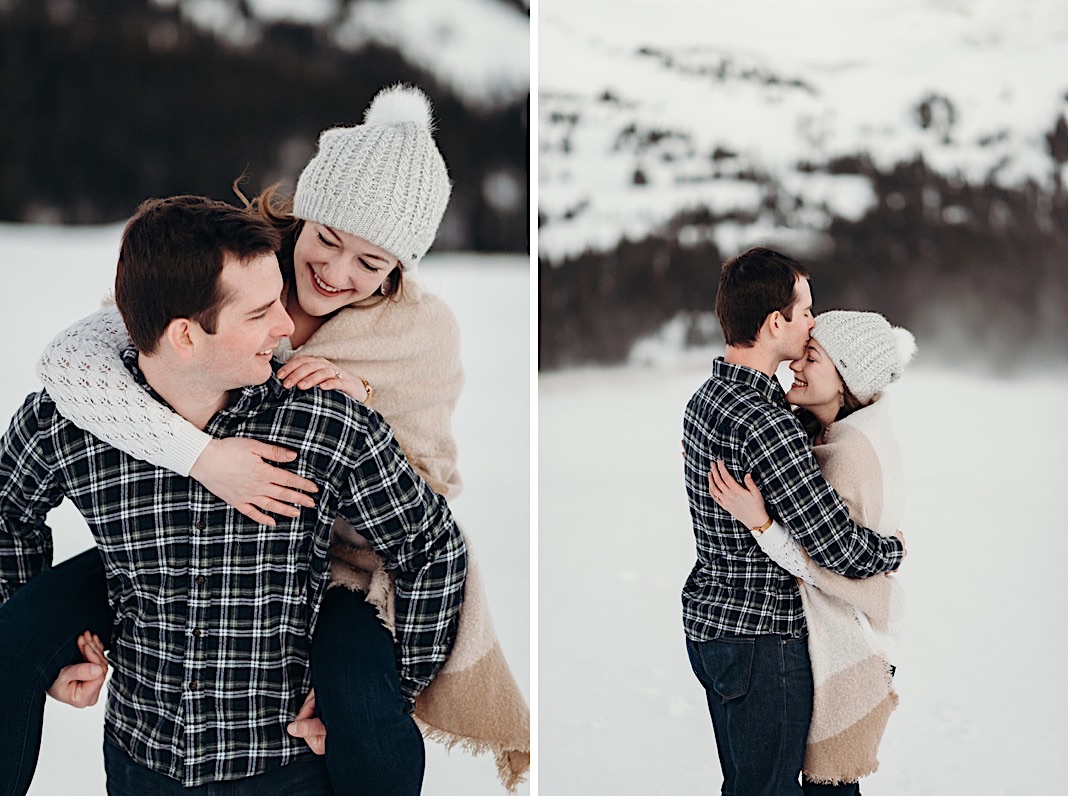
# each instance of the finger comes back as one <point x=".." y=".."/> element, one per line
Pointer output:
<point x="307" y="710"/>
<point x="714" y="478"/>
<point x="287" y="496"/>
<point x="90" y="693"/>
<point x="81" y="672"/>
<point x="267" y="503"/>
<point x="274" y="453"/>
<point x="290" y="480"/>
<point x="725" y="477"/>
<point x="93" y="654"/>
<point x="255" y="514"/>
<point x="750" y="484"/>
<point x="318" y="378"/>
<point x="306" y="728"/>
<point x="299" y="372"/>
<point x="297" y="362"/>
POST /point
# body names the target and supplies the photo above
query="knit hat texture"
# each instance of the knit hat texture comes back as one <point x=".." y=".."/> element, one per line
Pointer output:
<point x="383" y="180"/>
<point x="868" y="352"/>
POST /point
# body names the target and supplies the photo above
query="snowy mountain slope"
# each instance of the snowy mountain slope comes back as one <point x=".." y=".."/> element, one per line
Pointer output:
<point x="477" y="47"/>
<point x="648" y="107"/>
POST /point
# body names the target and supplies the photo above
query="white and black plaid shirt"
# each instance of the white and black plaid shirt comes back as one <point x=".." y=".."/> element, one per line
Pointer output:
<point x="214" y="612"/>
<point x="740" y="415"/>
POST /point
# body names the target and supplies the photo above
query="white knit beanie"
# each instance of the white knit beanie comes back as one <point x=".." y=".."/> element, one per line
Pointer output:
<point x="383" y="180"/>
<point x="868" y="352"/>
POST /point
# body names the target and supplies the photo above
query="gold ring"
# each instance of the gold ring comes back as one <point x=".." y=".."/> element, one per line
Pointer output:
<point x="337" y="374"/>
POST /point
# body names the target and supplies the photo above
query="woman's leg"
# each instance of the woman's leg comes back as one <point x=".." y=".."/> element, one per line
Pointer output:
<point x="373" y="747"/>
<point x="39" y="626"/>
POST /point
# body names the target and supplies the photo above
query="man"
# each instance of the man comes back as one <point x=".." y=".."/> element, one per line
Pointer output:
<point x="744" y="621"/>
<point x="213" y="612"/>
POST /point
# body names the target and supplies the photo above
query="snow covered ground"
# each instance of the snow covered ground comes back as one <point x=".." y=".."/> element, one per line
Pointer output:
<point x="980" y="671"/>
<point x="54" y="275"/>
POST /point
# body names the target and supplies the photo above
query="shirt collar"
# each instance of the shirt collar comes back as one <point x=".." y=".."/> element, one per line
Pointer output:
<point x="249" y="396"/>
<point x="766" y="386"/>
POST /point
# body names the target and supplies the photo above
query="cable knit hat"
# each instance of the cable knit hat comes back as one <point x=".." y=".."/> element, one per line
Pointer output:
<point x="868" y="352"/>
<point x="383" y="180"/>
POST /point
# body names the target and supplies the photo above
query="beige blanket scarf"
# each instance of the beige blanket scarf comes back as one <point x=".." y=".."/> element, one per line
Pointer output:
<point x="409" y="351"/>
<point x="853" y="692"/>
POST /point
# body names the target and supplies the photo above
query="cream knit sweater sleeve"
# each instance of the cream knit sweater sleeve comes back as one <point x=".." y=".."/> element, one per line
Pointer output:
<point x="82" y="371"/>
<point x="784" y="550"/>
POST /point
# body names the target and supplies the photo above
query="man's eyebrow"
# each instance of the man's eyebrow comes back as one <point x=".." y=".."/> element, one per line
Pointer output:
<point x="260" y="310"/>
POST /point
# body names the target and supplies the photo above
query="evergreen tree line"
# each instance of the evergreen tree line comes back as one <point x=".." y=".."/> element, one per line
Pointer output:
<point x="107" y="102"/>
<point x="977" y="272"/>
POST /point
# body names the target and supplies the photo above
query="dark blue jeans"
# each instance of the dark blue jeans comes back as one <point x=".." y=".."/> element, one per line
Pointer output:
<point x="39" y="626"/>
<point x="304" y="777"/>
<point x="759" y="694"/>
<point x="373" y="745"/>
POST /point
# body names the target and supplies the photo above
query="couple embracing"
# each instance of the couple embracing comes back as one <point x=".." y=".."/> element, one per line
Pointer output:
<point x="790" y="609"/>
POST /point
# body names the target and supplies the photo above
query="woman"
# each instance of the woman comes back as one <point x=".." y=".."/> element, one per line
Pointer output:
<point x="366" y="210"/>
<point x="851" y="357"/>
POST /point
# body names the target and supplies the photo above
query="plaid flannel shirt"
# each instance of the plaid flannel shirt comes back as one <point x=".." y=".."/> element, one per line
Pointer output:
<point x="214" y="612"/>
<point x="740" y="415"/>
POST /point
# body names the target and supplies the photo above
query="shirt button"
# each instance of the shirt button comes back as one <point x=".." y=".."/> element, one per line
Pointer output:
<point x="200" y="525"/>
<point x="194" y="685"/>
<point x="196" y="632"/>
<point x="201" y="580"/>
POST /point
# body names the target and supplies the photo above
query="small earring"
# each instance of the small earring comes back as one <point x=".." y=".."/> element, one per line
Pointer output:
<point x="382" y="288"/>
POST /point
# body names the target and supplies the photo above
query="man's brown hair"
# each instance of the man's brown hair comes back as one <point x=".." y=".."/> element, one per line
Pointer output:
<point x="751" y="287"/>
<point x="172" y="254"/>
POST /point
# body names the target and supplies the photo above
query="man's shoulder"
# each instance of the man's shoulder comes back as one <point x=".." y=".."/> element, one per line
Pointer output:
<point x="324" y="416"/>
<point x="731" y="398"/>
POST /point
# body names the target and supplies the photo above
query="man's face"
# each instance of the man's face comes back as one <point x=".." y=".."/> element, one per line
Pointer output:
<point x="798" y="329"/>
<point x="250" y="324"/>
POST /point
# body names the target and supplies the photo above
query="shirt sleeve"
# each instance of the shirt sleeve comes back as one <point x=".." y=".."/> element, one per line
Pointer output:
<point x="82" y="371"/>
<point x="799" y="497"/>
<point x="28" y="491"/>
<point x="412" y="528"/>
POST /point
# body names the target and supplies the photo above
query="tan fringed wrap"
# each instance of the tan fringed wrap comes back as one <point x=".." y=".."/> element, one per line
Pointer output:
<point x="474" y="702"/>
<point x="853" y="693"/>
<point x="409" y="351"/>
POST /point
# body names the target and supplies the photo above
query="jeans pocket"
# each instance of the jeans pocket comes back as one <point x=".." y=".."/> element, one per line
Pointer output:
<point x="727" y="663"/>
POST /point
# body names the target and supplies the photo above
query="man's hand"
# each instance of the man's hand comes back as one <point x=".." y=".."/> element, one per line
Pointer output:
<point x="900" y="535"/>
<point x="79" y="684"/>
<point x="237" y="470"/>
<point x="308" y="727"/>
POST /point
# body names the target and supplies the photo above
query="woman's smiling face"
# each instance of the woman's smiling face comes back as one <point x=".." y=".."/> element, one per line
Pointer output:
<point x="816" y="380"/>
<point x="333" y="269"/>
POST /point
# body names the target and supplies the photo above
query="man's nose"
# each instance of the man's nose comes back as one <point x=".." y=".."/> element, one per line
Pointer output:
<point x="283" y="323"/>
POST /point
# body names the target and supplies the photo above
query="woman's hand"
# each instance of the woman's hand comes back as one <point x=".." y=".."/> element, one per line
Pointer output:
<point x="234" y="469"/>
<point x="308" y="372"/>
<point x="745" y="504"/>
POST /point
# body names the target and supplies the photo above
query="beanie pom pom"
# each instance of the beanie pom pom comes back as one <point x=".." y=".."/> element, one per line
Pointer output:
<point x="398" y="105"/>
<point x="905" y="344"/>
